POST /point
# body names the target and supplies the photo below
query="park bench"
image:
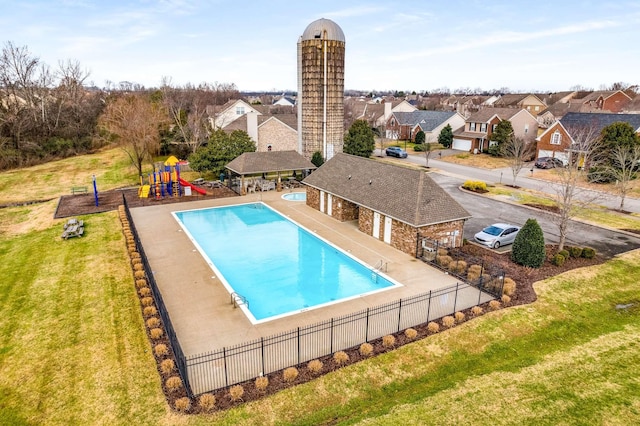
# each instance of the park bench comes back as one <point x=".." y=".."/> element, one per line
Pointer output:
<point x="79" y="190"/>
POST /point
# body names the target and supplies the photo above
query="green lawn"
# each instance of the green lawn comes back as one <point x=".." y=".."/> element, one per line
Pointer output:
<point x="74" y="351"/>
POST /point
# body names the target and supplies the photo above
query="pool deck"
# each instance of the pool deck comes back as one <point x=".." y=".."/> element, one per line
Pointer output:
<point x="199" y="305"/>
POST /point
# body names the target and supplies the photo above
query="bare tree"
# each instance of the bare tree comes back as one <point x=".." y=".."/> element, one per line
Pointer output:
<point x="428" y="150"/>
<point x="568" y="194"/>
<point x="133" y="122"/>
<point x="517" y="151"/>
<point x="624" y="168"/>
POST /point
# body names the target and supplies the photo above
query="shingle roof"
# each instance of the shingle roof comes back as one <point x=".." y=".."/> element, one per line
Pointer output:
<point x="408" y="195"/>
<point x="485" y="114"/>
<point x="271" y="161"/>
<point x="240" y="123"/>
<point x="428" y="120"/>
<point x="597" y="121"/>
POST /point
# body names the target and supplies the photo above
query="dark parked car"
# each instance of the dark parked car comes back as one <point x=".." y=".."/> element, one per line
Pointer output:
<point x="394" y="151"/>
<point x="548" y="163"/>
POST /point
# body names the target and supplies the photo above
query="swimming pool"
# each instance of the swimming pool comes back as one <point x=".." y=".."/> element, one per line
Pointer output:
<point x="277" y="265"/>
<point x="295" y="196"/>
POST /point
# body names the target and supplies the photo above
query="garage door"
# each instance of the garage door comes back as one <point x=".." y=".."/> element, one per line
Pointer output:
<point x="462" y="144"/>
<point x="557" y="154"/>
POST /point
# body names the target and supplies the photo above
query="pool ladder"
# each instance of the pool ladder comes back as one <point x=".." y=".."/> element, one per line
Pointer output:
<point x="377" y="269"/>
<point x="238" y="300"/>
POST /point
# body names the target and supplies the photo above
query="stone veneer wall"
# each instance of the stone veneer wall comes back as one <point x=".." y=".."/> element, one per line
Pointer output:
<point x="404" y="237"/>
<point x="313" y="198"/>
<point x="344" y="210"/>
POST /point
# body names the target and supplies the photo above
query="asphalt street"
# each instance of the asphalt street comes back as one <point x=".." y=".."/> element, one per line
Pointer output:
<point x="485" y="211"/>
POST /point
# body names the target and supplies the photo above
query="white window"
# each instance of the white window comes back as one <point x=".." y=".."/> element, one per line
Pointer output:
<point x="472" y="127"/>
<point x="483" y="127"/>
<point x="494" y="127"/>
<point x="556" y="138"/>
<point x="537" y="108"/>
<point x="240" y="110"/>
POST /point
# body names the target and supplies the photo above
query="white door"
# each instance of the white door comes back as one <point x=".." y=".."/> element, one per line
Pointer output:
<point x="322" y="201"/>
<point x="376" y="225"/>
<point x="461" y="144"/>
<point x="387" y="230"/>
<point x="329" y="205"/>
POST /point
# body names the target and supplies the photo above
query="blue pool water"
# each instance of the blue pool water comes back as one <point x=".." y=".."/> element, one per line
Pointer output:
<point x="278" y="266"/>
<point x="295" y="196"/>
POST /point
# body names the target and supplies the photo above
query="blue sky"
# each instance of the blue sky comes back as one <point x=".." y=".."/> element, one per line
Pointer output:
<point x="399" y="45"/>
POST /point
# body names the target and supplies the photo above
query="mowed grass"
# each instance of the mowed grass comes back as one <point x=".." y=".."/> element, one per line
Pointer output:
<point x="74" y="350"/>
<point x="111" y="167"/>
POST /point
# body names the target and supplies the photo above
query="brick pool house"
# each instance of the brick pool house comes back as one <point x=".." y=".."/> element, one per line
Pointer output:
<point x="398" y="205"/>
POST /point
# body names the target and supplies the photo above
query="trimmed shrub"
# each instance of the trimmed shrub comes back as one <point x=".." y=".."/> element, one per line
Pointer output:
<point x="153" y="322"/>
<point x="366" y="349"/>
<point x="182" y="404"/>
<point x="132" y="249"/>
<point x="167" y="366"/>
<point x="160" y="349"/>
<point x="144" y="292"/>
<point x="138" y="274"/>
<point x="236" y="392"/>
<point x="146" y="301"/>
<point x="588" y="253"/>
<point x="135" y="255"/>
<point x="173" y="383"/>
<point x="444" y="261"/>
<point x="459" y="317"/>
<point x="149" y="311"/>
<point x="494" y="305"/>
<point x="136" y="260"/>
<point x="340" y="357"/>
<point x="433" y="327"/>
<point x="410" y="333"/>
<point x="458" y="266"/>
<point x="476" y="310"/>
<point x="388" y="341"/>
<point x="138" y="267"/>
<point x="564" y="253"/>
<point x="509" y="287"/>
<point x="448" y="321"/>
<point x="261" y="383"/>
<point x="505" y="299"/>
<point x="207" y="401"/>
<point x="315" y="366"/>
<point x="156" y="333"/>
<point x="443" y="252"/>
<point x="474" y="272"/>
<point x="558" y="260"/>
<point x="475" y="185"/>
<point x="528" y="247"/>
<point x="290" y="374"/>
<point x="575" y="252"/>
<point x="141" y="283"/>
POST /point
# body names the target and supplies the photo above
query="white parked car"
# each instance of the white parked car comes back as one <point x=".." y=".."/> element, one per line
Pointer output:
<point x="498" y="234"/>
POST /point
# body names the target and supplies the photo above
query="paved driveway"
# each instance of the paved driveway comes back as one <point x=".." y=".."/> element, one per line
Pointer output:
<point x="486" y="211"/>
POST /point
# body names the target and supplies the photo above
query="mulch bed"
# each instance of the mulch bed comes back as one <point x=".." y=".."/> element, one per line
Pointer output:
<point x="82" y="204"/>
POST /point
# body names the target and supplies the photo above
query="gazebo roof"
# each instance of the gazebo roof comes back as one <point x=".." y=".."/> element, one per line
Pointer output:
<point x="272" y="161"/>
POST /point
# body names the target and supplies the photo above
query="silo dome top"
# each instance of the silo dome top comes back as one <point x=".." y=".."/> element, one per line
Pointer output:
<point x="316" y="29"/>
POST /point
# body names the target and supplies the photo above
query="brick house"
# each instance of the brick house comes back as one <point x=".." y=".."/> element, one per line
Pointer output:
<point x="606" y="100"/>
<point x="405" y="125"/>
<point x="394" y="204"/>
<point x="555" y="141"/>
<point x="270" y="132"/>
<point x="477" y="131"/>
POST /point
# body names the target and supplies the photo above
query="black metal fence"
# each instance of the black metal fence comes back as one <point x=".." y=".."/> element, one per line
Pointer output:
<point x="486" y="278"/>
<point x="231" y="365"/>
<point x="162" y="310"/>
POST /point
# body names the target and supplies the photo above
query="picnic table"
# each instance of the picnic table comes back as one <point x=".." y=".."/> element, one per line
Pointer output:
<point x="73" y="228"/>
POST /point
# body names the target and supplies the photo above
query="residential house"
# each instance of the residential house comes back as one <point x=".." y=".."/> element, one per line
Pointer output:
<point x="375" y="113"/>
<point x="394" y="204"/>
<point x="270" y="132"/>
<point x="476" y="133"/>
<point x="528" y="101"/>
<point x="405" y="125"/>
<point x="604" y="100"/>
<point x="222" y="116"/>
<point x="556" y="140"/>
<point x="285" y="101"/>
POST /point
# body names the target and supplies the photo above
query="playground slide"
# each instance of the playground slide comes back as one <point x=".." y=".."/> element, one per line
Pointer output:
<point x="193" y="187"/>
